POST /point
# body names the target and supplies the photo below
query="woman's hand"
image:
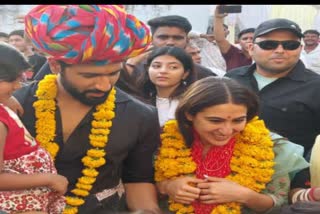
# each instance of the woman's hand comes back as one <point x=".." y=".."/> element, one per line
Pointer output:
<point x="220" y="190"/>
<point x="181" y="189"/>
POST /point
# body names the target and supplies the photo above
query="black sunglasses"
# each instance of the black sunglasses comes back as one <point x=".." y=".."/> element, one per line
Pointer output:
<point x="273" y="44"/>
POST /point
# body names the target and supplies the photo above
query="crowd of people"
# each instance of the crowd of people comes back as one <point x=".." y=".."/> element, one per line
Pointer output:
<point x="103" y="113"/>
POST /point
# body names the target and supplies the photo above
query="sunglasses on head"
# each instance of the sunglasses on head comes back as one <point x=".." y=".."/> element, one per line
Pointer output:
<point x="273" y="44"/>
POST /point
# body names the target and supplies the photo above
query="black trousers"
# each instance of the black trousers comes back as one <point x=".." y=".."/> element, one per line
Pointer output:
<point x="110" y="205"/>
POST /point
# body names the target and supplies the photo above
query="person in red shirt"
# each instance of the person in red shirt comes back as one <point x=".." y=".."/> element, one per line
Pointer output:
<point x="28" y="179"/>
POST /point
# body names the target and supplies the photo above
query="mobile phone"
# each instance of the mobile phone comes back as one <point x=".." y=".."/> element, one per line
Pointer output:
<point x="230" y="9"/>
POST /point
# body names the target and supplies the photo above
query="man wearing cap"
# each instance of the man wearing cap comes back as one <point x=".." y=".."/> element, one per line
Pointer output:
<point x="98" y="135"/>
<point x="289" y="93"/>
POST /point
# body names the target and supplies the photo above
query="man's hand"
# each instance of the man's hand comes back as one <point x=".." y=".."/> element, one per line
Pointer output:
<point x="217" y="14"/>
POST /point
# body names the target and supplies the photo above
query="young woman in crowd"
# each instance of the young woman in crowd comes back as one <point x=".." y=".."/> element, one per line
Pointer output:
<point x="168" y="74"/>
<point x="29" y="182"/>
<point x="218" y="157"/>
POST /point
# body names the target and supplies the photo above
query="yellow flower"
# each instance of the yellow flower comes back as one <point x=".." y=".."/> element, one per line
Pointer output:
<point x="93" y="162"/>
<point x="99" y="144"/>
<point x="96" y="153"/>
<point x="90" y="172"/>
<point x="74" y="201"/>
<point x="70" y="210"/>
<point x="45" y="108"/>
<point x="86" y="180"/>
<point x="80" y="192"/>
<point x="100" y="131"/>
<point x="87" y="187"/>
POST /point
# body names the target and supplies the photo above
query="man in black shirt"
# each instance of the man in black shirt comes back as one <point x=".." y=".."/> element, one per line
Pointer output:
<point x="289" y="93"/>
<point x="103" y="136"/>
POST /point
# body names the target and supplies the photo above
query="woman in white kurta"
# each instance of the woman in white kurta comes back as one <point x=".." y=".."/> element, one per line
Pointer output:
<point x="168" y="74"/>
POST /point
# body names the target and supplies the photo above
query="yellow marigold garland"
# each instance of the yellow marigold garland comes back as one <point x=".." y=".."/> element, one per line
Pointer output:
<point x="45" y="108"/>
<point x="251" y="164"/>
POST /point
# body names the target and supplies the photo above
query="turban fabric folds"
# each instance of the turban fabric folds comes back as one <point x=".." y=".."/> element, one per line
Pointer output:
<point x="82" y="34"/>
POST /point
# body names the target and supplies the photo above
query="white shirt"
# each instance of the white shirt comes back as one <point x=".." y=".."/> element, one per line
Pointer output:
<point x="166" y="109"/>
<point x="209" y="51"/>
<point x="262" y="80"/>
<point x="312" y="59"/>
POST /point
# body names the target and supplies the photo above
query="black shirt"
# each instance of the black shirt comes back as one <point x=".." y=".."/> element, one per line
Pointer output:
<point x="133" y="140"/>
<point x="290" y="105"/>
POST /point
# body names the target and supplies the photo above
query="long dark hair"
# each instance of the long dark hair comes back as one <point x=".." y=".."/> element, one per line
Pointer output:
<point x="144" y="83"/>
<point x="212" y="91"/>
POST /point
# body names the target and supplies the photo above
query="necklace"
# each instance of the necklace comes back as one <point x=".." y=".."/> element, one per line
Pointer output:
<point x="45" y="108"/>
<point x="251" y="163"/>
<point x="217" y="159"/>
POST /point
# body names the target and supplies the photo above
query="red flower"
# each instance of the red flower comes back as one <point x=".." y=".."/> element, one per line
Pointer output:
<point x="37" y="165"/>
<point x="21" y="206"/>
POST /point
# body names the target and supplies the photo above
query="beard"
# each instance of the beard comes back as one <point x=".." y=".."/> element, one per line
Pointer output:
<point x="82" y="96"/>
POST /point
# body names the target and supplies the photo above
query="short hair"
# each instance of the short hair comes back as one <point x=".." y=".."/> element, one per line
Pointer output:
<point x="212" y="91"/>
<point x="171" y="21"/>
<point x="17" y="32"/>
<point x="244" y="31"/>
<point x="149" y="89"/>
<point x="12" y="62"/>
<point x="3" y="34"/>
<point x="311" y="31"/>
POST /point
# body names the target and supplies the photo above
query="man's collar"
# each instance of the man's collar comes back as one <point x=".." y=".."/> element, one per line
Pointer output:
<point x="297" y="73"/>
<point x="121" y="96"/>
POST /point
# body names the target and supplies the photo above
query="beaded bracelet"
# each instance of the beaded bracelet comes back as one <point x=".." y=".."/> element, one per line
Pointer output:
<point x="302" y="195"/>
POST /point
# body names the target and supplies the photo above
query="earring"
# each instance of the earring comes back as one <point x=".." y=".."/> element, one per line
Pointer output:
<point x="184" y="83"/>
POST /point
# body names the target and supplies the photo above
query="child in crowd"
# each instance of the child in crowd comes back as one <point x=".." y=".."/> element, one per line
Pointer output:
<point x="29" y="182"/>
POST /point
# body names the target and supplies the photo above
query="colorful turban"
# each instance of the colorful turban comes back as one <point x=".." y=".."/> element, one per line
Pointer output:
<point x="75" y="34"/>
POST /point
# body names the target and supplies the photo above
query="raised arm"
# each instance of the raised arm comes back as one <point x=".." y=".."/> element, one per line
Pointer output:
<point x="218" y="31"/>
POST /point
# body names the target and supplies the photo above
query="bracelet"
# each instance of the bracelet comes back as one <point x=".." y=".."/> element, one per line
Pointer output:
<point x="298" y="196"/>
<point x="311" y="194"/>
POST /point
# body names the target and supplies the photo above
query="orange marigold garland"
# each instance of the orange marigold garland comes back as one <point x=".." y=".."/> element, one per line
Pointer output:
<point x="251" y="164"/>
<point x="45" y="108"/>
